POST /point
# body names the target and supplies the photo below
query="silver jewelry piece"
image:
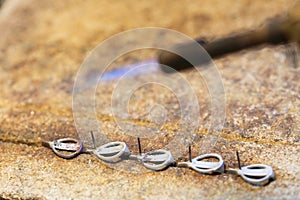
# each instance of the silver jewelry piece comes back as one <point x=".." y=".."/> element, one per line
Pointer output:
<point x="66" y="147"/>
<point x="256" y="174"/>
<point x="205" y="167"/>
<point x="156" y="160"/>
<point x="112" y="152"/>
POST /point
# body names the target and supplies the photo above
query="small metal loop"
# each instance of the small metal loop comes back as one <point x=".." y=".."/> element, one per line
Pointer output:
<point x="208" y="167"/>
<point x="257" y="174"/>
<point x="136" y="157"/>
<point x="157" y="160"/>
<point x="112" y="152"/>
<point x="233" y="171"/>
<point x="184" y="164"/>
<point x="66" y="144"/>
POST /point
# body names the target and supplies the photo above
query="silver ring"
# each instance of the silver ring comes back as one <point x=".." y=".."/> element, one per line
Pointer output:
<point x="112" y="151"/>
<point x="157" y="160"/>
<point x="67" y="144"/>
<point x="207" y="167"/>
<point x="257" y="174"/>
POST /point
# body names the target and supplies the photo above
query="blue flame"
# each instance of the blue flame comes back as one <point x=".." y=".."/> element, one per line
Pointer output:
<point x="152" y="65"/>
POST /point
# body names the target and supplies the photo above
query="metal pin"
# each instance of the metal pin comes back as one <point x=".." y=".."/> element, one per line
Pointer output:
<point x="140" y="148"/>
<point x="190" y="153"/>
<point x="238" y="158"/>
<point x="93" y="138"/>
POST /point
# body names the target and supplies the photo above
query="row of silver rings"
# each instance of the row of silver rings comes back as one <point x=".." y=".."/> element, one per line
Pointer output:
<point x="157" y="160"/>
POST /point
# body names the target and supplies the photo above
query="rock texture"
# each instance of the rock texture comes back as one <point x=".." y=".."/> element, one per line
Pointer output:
<point x="43" y="43"/>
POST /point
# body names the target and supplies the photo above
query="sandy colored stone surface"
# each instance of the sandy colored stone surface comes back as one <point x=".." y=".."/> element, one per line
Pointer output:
<point x="42" y="45"/>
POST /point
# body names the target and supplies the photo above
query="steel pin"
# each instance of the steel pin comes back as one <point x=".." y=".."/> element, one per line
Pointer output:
<point x="238" y="158"/>
<point x="139" y="144"/>
<point x="93" y="139"/>
<point x="190" y="153"/>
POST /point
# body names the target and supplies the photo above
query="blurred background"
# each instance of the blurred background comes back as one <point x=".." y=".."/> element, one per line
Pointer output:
<point x="42" y="45"/>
